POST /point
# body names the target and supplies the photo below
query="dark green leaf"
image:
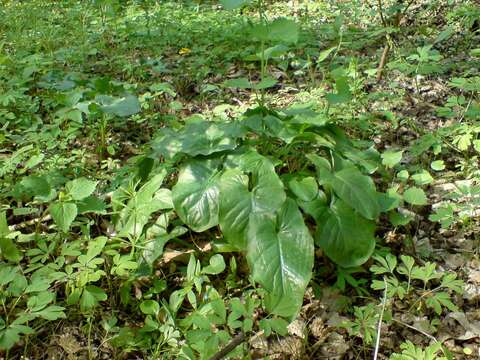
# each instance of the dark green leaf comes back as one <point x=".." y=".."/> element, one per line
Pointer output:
<point x="280" y="255"/>
<point x="7" y="247"/>
<point x="238" y="203"/>
<point x="196" y="194"/>
<point x="346" y="237"/>
<point x="357" y="190"/>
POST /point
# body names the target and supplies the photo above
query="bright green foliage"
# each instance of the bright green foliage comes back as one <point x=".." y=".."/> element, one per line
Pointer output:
<point x="175" y="174"/>
<point x="438" y="298"/>
<point x="415" y="196"/>
<point x="7" y="247"/>
<point x="196" y="194"/>
<point x="280" y="254"/>
<point x="410" y="352"/>
<point x="345" y="236"/>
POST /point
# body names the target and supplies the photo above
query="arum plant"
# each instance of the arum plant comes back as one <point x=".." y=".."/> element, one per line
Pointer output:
<point x="234" y="176"/>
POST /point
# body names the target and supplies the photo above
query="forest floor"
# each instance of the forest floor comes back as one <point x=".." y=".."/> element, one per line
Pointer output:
<point x="415" y="130"/>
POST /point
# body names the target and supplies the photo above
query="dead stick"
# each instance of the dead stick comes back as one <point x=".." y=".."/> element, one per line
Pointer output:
<point x="237" y="340"/>
<point x="383" y="61"/>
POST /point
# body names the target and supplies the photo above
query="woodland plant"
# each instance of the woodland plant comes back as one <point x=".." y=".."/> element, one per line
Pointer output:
<point x="185" y="179"/>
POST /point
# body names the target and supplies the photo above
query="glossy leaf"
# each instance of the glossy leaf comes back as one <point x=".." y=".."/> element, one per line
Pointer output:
<point x="346" y="237"/>
<point x="149" y="307"/>
<point x="280" y="255"/>
<point x="196" y="194"/>
<point x="238" y="203"/>
<point x="357" y="190"/>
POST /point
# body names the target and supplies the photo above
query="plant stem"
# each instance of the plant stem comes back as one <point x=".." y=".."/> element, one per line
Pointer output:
<point x="379" y="328"/>
<point x="89" y="338"/>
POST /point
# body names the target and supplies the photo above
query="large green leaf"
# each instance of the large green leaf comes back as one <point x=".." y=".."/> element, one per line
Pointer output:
<point x="123" y="107"/>
<point x="81" y="188"/>
<point x="36" y="186"/>
<point x="238" y="203"/>
<point x="282" y="29"/>
<point x="346" y="237"/>
<point x="280" y="255"/>
<point x="233" y="4"/>
<point x="196" y="194"/>
<point x="198" y="138"/>
<point x="7" y="247"/>
<point x="343" y="92"/>
<point x="357" y="190"/>
<point x="63" y="213"/>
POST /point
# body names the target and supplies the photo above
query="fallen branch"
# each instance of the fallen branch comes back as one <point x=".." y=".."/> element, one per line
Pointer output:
<point x="29" y="223"/>
<point x="383" y="61"/>
<point x="237" y="340"/>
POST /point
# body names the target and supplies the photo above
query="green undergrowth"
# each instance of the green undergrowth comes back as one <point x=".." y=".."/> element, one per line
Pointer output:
<point x="178" y="175"/>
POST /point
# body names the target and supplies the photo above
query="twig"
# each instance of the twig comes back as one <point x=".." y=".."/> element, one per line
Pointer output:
<point x="431" y="337"/>
<point x="379" y="328"/>
<point x="380" y="10"/>
<point x="237" y="340"/>
<point x="30" y="223"/>
<point x="383" y="61"/>
<point x="396" y="24"/>
<point x="407" y="7"/>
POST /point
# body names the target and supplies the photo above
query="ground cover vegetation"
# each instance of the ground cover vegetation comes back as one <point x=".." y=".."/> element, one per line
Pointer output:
<point x="239" y="179"/>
